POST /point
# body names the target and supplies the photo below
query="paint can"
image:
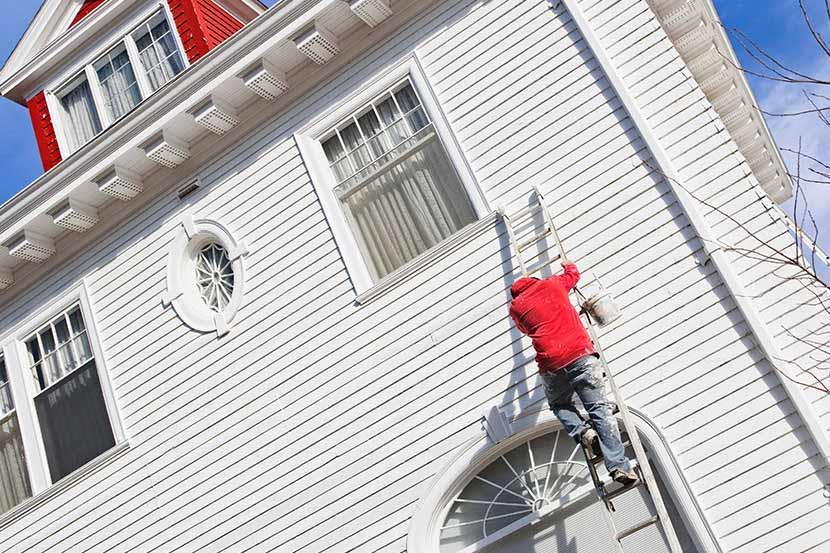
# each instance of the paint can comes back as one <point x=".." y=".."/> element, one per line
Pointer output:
<point x="602" y="308"/>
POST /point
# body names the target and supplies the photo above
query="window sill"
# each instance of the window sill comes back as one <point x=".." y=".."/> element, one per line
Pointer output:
<point x="429" y="258"/>
<point x="67" y="483"/>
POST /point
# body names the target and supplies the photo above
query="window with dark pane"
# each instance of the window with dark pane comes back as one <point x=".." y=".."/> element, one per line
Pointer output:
<point x="70" y="406"/>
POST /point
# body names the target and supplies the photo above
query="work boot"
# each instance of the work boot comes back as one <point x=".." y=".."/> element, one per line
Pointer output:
<point x="626" y="478"/>
<point x="590" y="441"/>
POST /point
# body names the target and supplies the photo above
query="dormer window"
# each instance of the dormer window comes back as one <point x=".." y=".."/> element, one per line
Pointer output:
<point x="113" y="84"/>
<point x="82" y="121"/>
<point x="118" y="82"/>
<point x="158" y="50"/>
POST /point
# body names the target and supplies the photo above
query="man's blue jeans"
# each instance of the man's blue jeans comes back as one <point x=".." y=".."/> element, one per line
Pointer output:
<point x="580" y="378"/>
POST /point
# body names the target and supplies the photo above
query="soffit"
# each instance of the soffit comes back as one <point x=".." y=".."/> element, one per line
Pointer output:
<point x="696" y="31"/>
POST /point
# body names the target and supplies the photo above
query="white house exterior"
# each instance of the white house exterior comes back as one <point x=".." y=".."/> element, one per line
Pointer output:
<point x="220" y="334"/>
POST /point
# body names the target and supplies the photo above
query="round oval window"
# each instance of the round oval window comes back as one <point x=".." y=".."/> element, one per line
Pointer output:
<point x="205" y="276"/>
<point x="214" y="276"/>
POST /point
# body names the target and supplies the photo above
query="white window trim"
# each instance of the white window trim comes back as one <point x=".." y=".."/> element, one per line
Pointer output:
<point x="124" y="36"/>
<point x="23" y="389"/>
<point x="182" y="293"/>
<point x="477" y="453"/>
<point x="311" y="149"/>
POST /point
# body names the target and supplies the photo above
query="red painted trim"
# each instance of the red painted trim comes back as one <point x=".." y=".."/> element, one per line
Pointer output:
<point x="47" y="142"/>
<point x="202" y="25"/>
<point x="86" y="8"/>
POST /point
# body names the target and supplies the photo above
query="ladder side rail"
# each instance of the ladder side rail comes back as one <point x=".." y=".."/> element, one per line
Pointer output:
<point x="639" y="451"/>
<point x="514" y="243"/>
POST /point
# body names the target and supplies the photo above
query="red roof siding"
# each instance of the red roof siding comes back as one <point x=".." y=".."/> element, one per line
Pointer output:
<point x="47" y="142"/>
<point x="87" y="7"/>
<point x="218" y="24"/>
<point x="202" y="25"/>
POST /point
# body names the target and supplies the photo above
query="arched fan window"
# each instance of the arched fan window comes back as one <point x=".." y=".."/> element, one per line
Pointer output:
<point x="537" y="495"/>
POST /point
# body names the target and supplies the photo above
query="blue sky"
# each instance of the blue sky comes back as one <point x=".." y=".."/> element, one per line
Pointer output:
<point x="775" y="24"/>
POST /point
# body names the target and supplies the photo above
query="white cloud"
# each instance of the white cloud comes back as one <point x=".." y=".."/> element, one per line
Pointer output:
<point x="813" y="132"/>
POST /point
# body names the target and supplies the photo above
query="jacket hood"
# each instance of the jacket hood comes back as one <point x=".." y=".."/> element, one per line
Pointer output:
<point x="522" y="285"/>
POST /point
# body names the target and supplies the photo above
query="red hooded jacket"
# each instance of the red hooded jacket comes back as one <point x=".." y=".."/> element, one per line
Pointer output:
<point x="542" y="310"/>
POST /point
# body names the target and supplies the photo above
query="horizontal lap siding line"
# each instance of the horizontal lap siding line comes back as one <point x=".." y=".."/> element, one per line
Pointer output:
<point x="349" y="518"/>
<point x="256" y="265"/>
<point x="306" y="231"/>
<point x="515" y="43"/>
<point x="110" y="283"/>
<point x="109" y="287"/>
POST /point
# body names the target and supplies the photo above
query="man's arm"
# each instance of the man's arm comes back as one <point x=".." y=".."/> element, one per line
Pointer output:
<point x="571" y="275"/>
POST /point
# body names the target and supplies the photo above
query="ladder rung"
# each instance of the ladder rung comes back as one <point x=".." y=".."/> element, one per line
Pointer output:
<point x="637" y="527"/>
<point x="544" y="264"/>
<point x="525" y="211"/>
<point x="535" y="238"/>
<point x="609" y="496"/>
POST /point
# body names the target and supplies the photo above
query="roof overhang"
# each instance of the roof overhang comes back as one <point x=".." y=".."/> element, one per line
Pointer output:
<point x="49" y="40"/>
<point x="696" y="31"/>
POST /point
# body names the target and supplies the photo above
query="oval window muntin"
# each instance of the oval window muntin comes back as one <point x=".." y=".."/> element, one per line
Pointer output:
<point x="183" y="291"/>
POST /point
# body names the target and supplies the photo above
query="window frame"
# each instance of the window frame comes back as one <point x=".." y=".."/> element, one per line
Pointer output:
<point x="138" y="81"/>
<point x="535" y="419"/>
<point x="309" y="141"/>
<point x="86" y="66"/>
<point x="24" y="389"/>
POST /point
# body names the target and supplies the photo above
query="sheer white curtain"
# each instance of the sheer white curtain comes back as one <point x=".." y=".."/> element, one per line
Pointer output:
<point x="397" y="186"/>
<point x="159" y="53"/>
<point x="14" y="478"/>
<point x="82" y="115"/>
<point x="120" y="87"/>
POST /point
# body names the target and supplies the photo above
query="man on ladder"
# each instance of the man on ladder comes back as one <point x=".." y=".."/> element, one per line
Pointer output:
<point x="567" y="361"/>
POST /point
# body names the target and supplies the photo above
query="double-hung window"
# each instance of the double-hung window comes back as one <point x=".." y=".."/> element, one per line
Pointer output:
<point x="159" y="53"/>
<point x="118" y="81"/>
<point x="114" y="83"/>
<point x="69" y="401"/>
<point x="81" y="120"/>
<point x="394" y="180"/>
<point x="14" y="477"/>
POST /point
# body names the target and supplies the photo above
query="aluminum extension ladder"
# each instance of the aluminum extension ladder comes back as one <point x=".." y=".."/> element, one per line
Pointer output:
<point x="641" y="464"/>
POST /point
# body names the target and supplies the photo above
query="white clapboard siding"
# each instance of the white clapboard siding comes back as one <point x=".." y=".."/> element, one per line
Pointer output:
<point x="316" y="424"/>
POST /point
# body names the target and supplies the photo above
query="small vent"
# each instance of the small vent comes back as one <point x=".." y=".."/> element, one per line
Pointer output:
<point x="216" y="116"/>
<point x="266" y="80"/>
<point x="167" y="150"/>
<point x="76" y="216"/>
<point x="763" y="169"/>
<point x="694" y="43"/>
<point x="737" y="118"/>
<point x="746" y="135"/>
<point x="6" y="278"/>
<point x="318" y="44"/>
<point x="681" y="19"/>
<point x="372" y="12"/>
<point x="188" y="189"/>
<point x="32" y="247"/>
<point x="120" y="183"/>
<point x="729" y="100"/>
<point x="663" y="6"/>
<point x="718" y="84"/>
<point x="707" y="63"/>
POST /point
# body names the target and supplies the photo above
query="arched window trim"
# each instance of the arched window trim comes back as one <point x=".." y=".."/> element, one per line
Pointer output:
<point x="182" y="293"/>
<point x="480" y="451"/>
